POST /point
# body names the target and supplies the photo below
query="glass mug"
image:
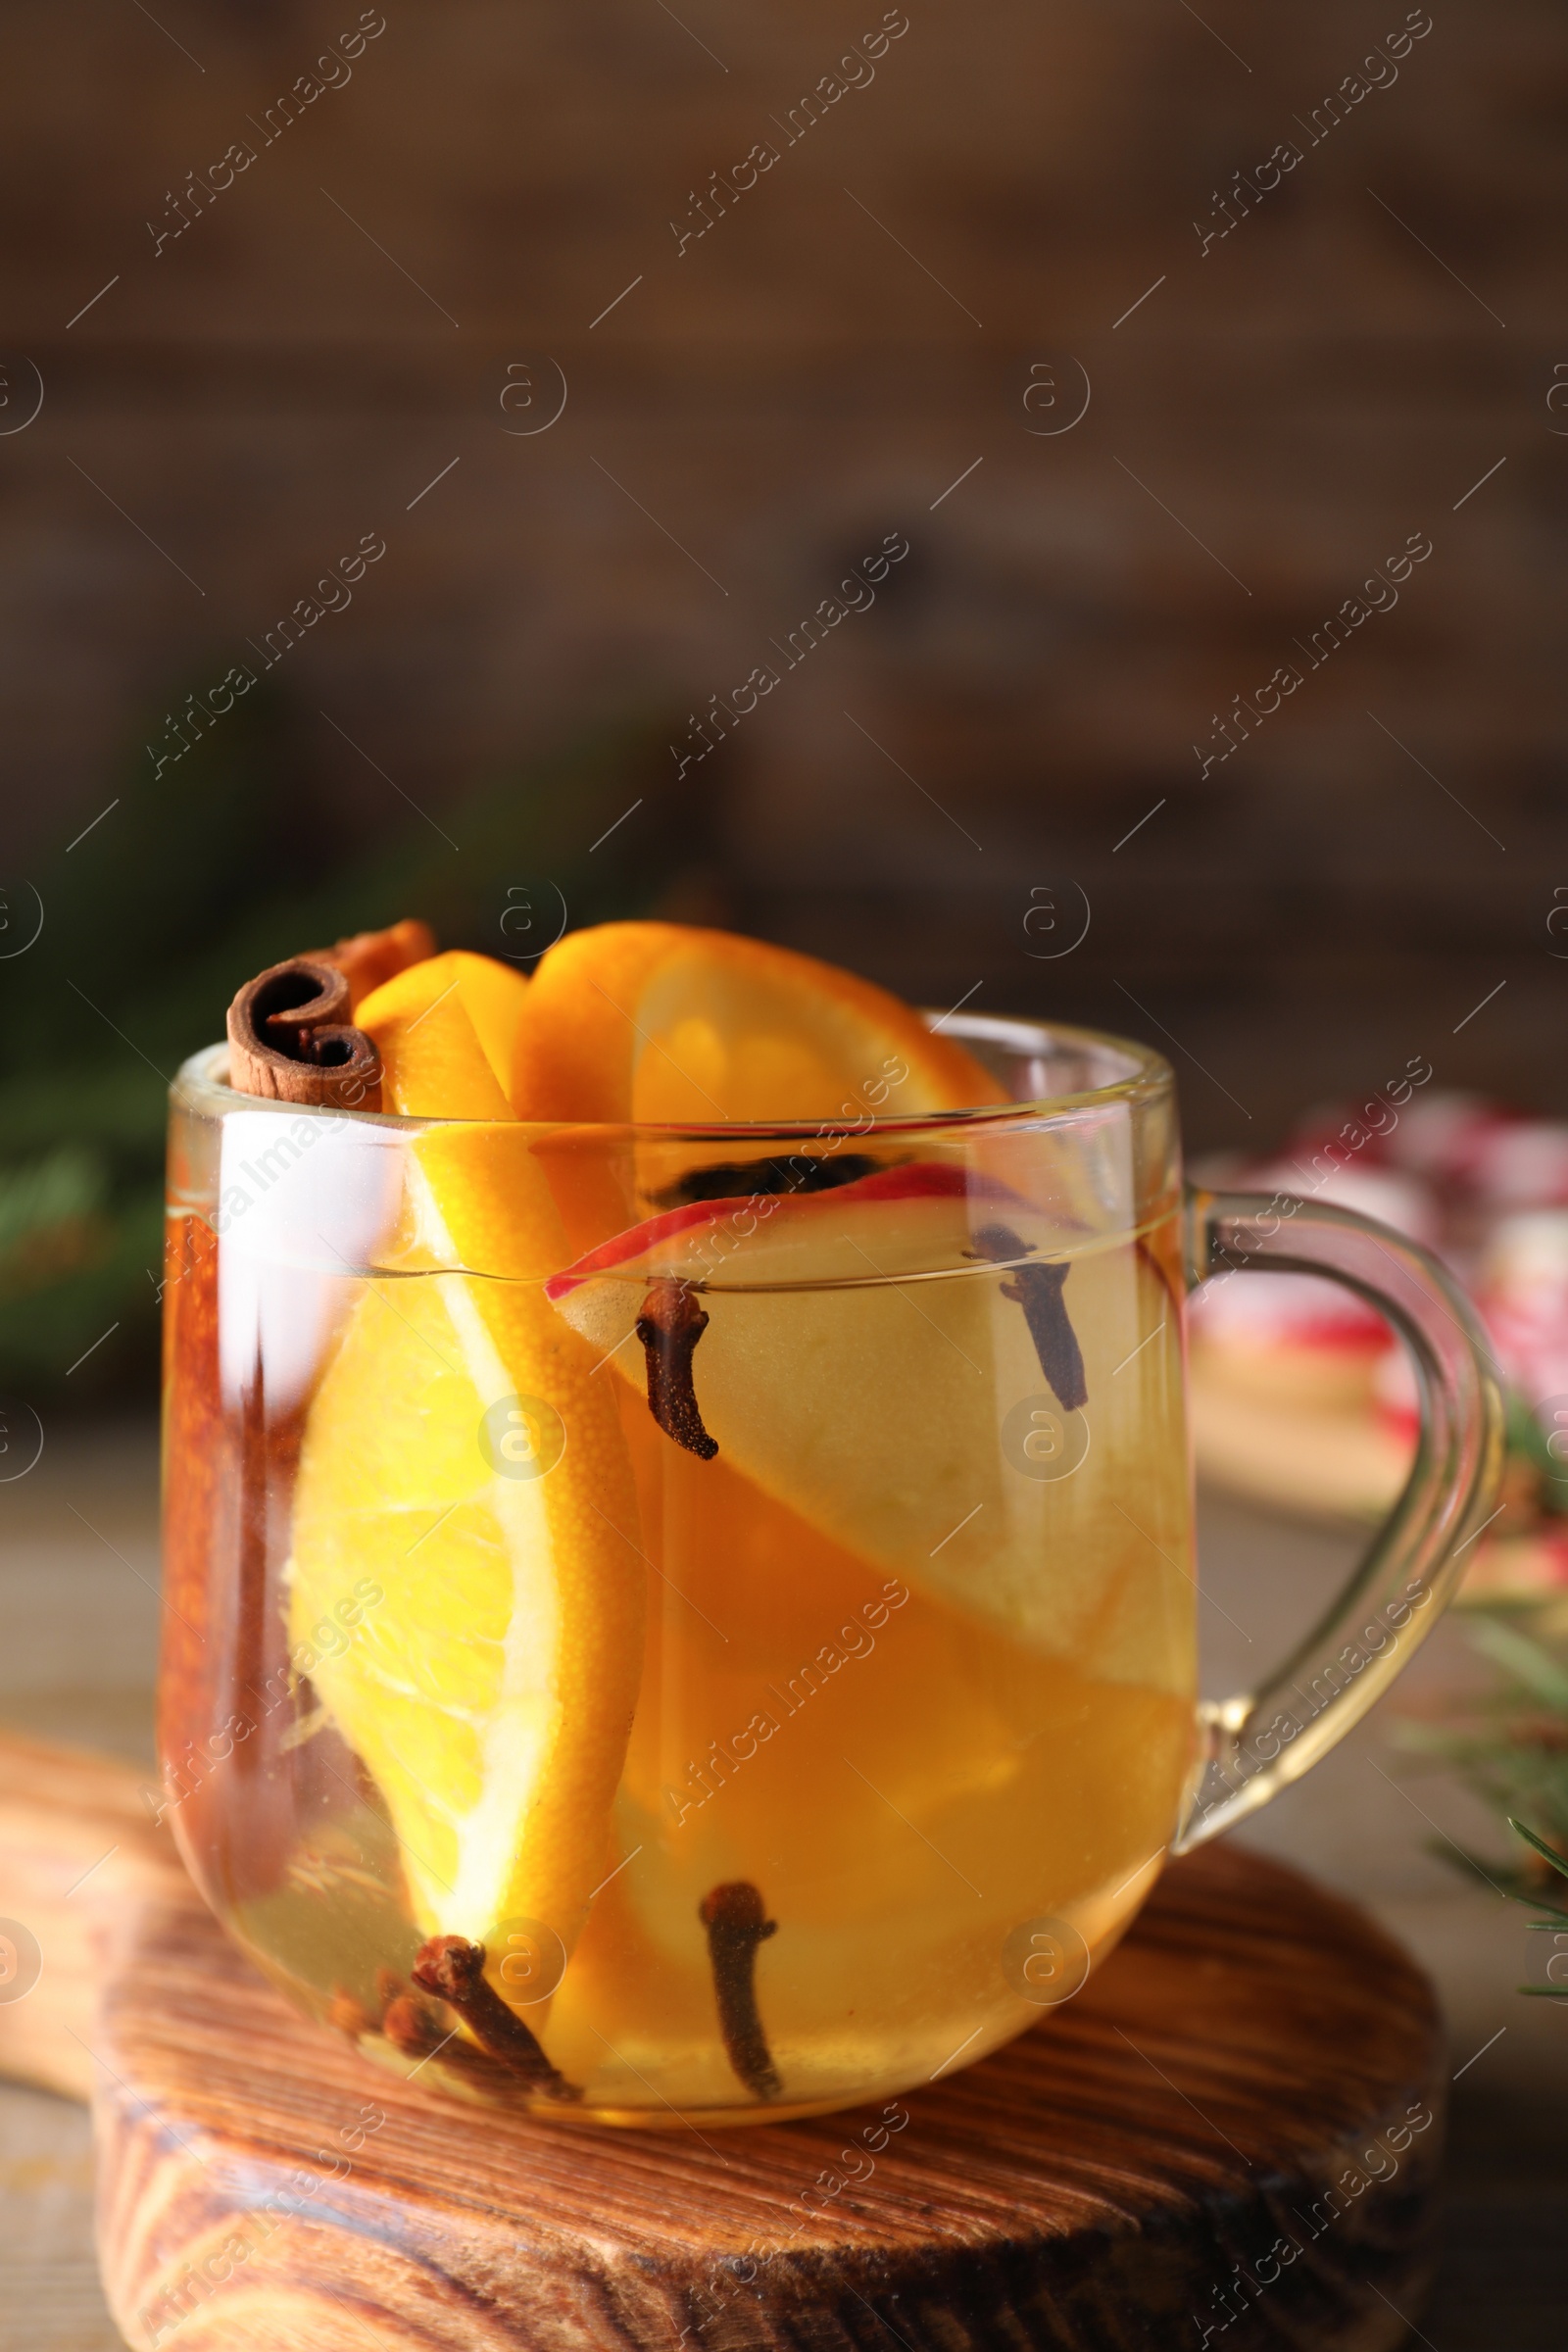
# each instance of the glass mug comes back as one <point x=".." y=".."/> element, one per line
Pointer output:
<point x="701" y="1623"/>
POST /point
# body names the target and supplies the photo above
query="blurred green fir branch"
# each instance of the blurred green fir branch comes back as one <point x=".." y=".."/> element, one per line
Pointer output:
<point x="1512" y="1749"/>
<point x="1513" y="1753"/>
<point x="228" y="861"/>
<point x="1556" y="1919"/>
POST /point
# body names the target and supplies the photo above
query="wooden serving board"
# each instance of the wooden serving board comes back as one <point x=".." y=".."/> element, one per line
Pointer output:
<point x="80" y="1858"/>
<point x="1231" y="2137"/>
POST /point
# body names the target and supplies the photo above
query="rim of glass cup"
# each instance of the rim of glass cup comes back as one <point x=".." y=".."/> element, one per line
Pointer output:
<point x="202" y="1085"/>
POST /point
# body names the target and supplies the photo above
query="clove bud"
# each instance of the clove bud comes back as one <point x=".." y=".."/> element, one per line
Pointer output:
<point x="453" y="1969"/>
<point x="670" y="1327"/>
<point x="1038" y="1290"/>
<point x="733" y="1917"/>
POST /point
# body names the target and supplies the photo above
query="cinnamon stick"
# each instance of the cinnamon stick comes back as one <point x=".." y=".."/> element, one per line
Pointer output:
<point x="367" y="958"/>
<point x="291" y="1036"/>
<point x="290" y="1040"/>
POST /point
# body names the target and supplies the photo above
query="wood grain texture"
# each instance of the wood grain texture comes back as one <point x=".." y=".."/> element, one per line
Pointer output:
<point x="79" y="1855"/>
<point x="1258" y="2068"/>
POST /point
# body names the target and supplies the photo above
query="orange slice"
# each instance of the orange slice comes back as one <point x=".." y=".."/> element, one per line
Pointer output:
<point x="447" y="1030"/>
<point x="461" y="1463"/>
<point x="663" y="1023"/>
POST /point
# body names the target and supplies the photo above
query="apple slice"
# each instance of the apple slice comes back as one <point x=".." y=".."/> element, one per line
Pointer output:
<point x="979" y="1396"/>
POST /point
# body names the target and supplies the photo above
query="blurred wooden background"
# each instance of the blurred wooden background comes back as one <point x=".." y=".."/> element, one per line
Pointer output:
<point x="847" y="352"/>
<point x="333" y="330"/>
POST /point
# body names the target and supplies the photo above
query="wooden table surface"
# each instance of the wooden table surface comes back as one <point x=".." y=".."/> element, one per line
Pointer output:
<point x="79" y="1616"/>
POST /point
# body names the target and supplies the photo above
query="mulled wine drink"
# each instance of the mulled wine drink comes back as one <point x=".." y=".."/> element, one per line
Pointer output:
<point x="697" y="1623"/>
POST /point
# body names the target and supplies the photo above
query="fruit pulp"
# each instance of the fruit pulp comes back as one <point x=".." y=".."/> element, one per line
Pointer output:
<point x="950" y="1779"/>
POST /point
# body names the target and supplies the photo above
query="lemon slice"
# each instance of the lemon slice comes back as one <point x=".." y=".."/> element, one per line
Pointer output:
<point x="460" y="1462"/>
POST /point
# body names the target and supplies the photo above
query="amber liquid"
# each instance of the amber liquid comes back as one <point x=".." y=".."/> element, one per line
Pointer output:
<point x="951" y="1794"/>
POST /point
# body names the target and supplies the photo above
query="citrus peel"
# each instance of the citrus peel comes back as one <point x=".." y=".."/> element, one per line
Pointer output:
<point x="459" y="1452"/>
<point x="663" y="1023"/>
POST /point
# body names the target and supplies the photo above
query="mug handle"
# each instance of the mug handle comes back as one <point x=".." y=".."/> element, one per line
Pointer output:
<point x="1258" y="1742"/>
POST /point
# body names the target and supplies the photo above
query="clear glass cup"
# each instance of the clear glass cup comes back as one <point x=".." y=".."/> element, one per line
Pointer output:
<point x="701" y="1623"/>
